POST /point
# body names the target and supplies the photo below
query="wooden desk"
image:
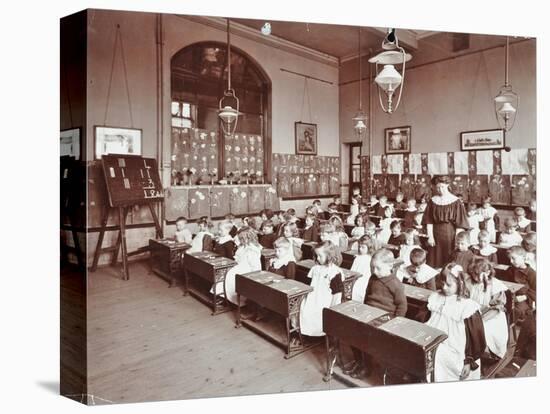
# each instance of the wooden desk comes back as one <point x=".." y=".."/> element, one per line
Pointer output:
<point x="211" y="267"/>
<point x="308" y="249"/>
<point x="375" y="219"/>
<point x="267" y="255"/>
<point x="304" y="266"/>
<point x="502" y="254"/>
<point x="348" y="257"/>
<point x="167" y="259"/>
<point x="280" y="295"/>
<point x="395" y="342"/>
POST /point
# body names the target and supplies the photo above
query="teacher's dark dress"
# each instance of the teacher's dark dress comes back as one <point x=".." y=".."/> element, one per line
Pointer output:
<point x="445" y="219"/>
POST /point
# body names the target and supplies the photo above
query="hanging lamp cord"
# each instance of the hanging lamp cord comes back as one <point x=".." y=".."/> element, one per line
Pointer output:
<point x="118" y="38"/>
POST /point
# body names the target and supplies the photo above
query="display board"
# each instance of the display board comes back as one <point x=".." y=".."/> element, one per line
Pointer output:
<point x="131" y="180"/>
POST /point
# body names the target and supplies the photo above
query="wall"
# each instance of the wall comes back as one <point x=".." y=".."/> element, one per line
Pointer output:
<point x="139" y="34"/>
<point x="440" y="100"/>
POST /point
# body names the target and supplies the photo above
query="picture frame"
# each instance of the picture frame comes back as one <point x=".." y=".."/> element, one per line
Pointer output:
<point x="69" y="142"/>
<point x="305" y="138"/>
<point x="116" y="140"/>
<point x="489" y="139"/>
<point x="397" y="140"/>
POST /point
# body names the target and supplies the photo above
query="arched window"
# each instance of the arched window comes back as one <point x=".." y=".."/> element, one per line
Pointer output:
<point x="198" y="80"/>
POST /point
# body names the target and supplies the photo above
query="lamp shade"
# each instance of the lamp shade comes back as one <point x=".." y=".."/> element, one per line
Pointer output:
<point x="389" y="78"/>
<point x="507" y="109"/>
<point x="228" y="115"/>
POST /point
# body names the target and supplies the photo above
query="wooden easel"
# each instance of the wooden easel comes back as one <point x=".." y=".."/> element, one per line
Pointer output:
<point x="120" y="244"/>
<point x="130" y="180"/>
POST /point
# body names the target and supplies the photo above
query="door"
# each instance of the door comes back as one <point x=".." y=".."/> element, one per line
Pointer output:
<point x="354" y="167"/>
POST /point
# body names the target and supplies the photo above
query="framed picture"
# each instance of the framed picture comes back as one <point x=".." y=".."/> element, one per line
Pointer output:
<point x="306" y="138"/>
<point x="114" y="140"/>
<point x="482" y="140"/>
<point x="69" y="144"/>
<point x="397" y="140"/>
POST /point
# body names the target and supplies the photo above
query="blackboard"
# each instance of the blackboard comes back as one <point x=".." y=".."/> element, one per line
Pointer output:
<point x="131" y="180"/>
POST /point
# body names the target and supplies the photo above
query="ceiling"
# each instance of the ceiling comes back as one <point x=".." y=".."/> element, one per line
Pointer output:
<point x="341" y="41"/>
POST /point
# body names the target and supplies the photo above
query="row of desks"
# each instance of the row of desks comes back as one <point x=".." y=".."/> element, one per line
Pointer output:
<point x="370" y="329"/>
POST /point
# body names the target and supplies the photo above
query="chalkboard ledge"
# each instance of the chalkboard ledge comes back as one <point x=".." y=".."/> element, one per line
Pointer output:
<point x="308" y="197"/>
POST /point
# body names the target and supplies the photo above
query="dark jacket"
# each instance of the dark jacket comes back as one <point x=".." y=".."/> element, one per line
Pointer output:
<point x="387" y="293"/>
<point x="311" y="234"/>
<point x="226" y="249"/>
<point x="267" y="240"/>
<point x="528" y="278"/>
<point x="288" y="270"/>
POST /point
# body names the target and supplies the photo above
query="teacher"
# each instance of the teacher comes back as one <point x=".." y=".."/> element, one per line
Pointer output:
<point x="445" y="216"/>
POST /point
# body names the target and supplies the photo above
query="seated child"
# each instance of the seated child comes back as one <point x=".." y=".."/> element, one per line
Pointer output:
<point x="328" y="233"/>
<point x="291" y="233"/>
<point x="373" y="204"/>
<point x="399" y="203"/>
<point x="524" y="224"/>
<point x="361" y="264"/>
<point x="354" y="210"/>
<point x="488" y="213"/>
<point x="458" y="357"/>
<point x="529" y="243"/>
<point x="249" y="259"/>
<point x="396" y="239"/>
<point x="338" y="201"/>
<point x="410" y="214"/>
<point x="484" y="247"/>
<point x="382" y="205"/>
<point x="284" y="263"/>
<point x="359" y="230"/>
<point x="423" y="204"/>
<point x="343" y="239"/>
<point x="231" y="218"/>
<point x="203" y="240"/>
<point x="266" y="214"/>
<point x="182" y="235"/>
<point x="356" y="192"/>
<point x="311" y="229"/>
<point x="521" y="272"/>
<point x="326" y="280"/>
<point x="363" y="209"/>
<point x="278" y="221"/>
<point x="418" y="273"/>
<point x="318" y="207"/>
<point x="385" y="222"/>
<point x="224" y="245"/>
<point x="267" y="236"/>
<point x="510" y="236"/>
<point x="490" y="294"/>
<point x="462" y="254"/>
<point x="384" y="291"/>
<point x="410" y="243"/>
<point x="474" y="218"/>
<point x="332" y="210"/>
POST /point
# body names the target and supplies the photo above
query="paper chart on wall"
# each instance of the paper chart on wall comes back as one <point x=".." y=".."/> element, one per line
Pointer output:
<point x="395" y="164"/>
<point x="484" y="162"/>
<point x="415" y="164"/>
<point x="514" y="162"/>
<point x="437" y="163"/>
<point x="461" y="163"/>
<point x="376" y="164"/>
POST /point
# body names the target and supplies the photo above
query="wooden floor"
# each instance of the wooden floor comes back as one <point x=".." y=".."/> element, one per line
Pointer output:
<point x="148" y="342"/>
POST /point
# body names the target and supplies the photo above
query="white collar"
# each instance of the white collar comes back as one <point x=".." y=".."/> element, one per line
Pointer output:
<point x="444" y="200"/>
<point x="487" y="250"/>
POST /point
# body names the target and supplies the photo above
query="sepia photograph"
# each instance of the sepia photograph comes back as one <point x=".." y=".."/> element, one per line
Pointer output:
<point x="213" y="246"/>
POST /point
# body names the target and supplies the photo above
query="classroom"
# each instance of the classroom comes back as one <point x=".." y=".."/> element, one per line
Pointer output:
<point x="256" y="206"/>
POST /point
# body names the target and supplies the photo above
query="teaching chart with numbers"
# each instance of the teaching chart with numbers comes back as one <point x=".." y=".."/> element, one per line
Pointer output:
<point x="131" y="180"/>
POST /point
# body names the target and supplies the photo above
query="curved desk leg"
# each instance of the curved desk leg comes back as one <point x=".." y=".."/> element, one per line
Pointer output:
<point x="331" y="359"/>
